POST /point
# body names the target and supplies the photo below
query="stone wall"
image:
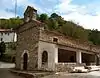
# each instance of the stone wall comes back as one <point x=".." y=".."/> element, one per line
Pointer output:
<point x="51" y="49"/>
<point x="63" y="67"/>
<point x="28" y="36"/>
<point x="33" y="41"/>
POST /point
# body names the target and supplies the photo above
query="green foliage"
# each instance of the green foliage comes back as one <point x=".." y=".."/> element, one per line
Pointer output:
<point x="52" y="24"/>
<point x="54" y="15"/>
<point x="73" y="30"/>
<point x="2" y="48"/>
<point x="12" y="46"/>
<point x="7" y="58"/>
<point x="10" y="23"/>
<point x="43" y="17"/>
<point x="94" y="36"/>
<point x="58" y="19"/>
<point x="69" y="28"/>
<point x="57" y="23"/>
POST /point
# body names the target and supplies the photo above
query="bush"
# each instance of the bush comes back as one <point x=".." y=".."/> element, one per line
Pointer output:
<point x="7" y="58"/>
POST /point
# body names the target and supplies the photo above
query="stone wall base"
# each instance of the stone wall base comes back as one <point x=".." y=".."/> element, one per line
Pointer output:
<point x="64" y="67"/>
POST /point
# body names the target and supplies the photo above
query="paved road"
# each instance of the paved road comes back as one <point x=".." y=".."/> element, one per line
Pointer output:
<point x="6" y="65"/>
<point x="4" y="71"/>
<point x="95" y="74"/>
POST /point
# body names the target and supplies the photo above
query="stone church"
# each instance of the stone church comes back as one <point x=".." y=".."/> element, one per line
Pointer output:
<point x="41" y="49"/>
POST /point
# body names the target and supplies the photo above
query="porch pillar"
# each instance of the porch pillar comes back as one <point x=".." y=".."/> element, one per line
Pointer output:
<point x="56" y="54"/>
<point x="79" y="57"/>
<point x="97" y="60"/>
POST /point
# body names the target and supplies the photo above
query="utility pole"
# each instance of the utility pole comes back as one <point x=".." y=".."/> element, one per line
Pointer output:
<point x="15" y="8"/>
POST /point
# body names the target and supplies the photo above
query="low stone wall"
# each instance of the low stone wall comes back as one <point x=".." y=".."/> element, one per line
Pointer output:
<point x="63" y="67"/>
<point x="91" y="64"/>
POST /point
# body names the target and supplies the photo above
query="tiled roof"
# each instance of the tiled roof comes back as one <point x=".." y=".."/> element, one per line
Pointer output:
<point x="6" y="30"/>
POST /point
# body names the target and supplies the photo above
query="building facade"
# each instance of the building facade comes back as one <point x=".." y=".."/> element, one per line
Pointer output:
<point x="8" y="35"/>
<point x="41" y="49"/>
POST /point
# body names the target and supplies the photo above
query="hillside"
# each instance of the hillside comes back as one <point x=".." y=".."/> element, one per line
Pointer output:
<point x="10" y="23"/>
<point x="57" y="23"/>
<point x="69" y="28"/>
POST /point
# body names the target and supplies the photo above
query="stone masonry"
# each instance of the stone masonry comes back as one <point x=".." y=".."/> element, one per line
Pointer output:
<point x="27" y="41"/>
<point x="28" y="37"/>
<point x="34" y="40"/>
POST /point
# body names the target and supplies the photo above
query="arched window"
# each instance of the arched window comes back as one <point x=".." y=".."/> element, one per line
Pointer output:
<point x="44" y="57"/>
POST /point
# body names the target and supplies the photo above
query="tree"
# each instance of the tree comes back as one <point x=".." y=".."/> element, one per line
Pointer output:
<point x="94" y="36"/>
<point x="73" y="30"/>
<point x="54" y="15"/>
<point x="10" y="23"/>
<point x="43" y="17"/>
<point x="52" y="24"/>
<point x="2" y="48"/>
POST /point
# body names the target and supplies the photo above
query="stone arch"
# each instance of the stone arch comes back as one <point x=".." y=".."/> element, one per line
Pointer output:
<point x="25" y="56"/>
<point x="25" y="51"/>
<point x="44" y="57"/>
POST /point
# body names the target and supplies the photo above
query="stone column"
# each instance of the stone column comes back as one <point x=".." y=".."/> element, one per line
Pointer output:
<point x="56" y="55"/>
<point x="78" y="57"/>
<point x="97" y="60"/>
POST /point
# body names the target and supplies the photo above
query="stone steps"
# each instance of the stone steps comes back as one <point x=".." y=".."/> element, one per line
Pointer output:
<point x="79" y="69"/>
<point x="85" y="69"/>
<point x="93" y="68"/>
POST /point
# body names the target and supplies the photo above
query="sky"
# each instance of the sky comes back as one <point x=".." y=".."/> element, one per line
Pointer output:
<point x="83" y="12"/>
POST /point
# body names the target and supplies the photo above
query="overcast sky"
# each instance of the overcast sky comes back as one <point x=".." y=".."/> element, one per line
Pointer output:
<point x="84" y="12"/>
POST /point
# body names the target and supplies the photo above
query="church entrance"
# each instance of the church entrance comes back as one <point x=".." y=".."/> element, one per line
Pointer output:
<point x="25" y="59"/>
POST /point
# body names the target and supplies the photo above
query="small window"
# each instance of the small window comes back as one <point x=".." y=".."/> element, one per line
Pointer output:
<point x="1" y="33"/>
<point x="1" y="39"/>
<point x="8" y="33"/>
<point x="55" y="40"/>
<point x="5" y="33"/>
